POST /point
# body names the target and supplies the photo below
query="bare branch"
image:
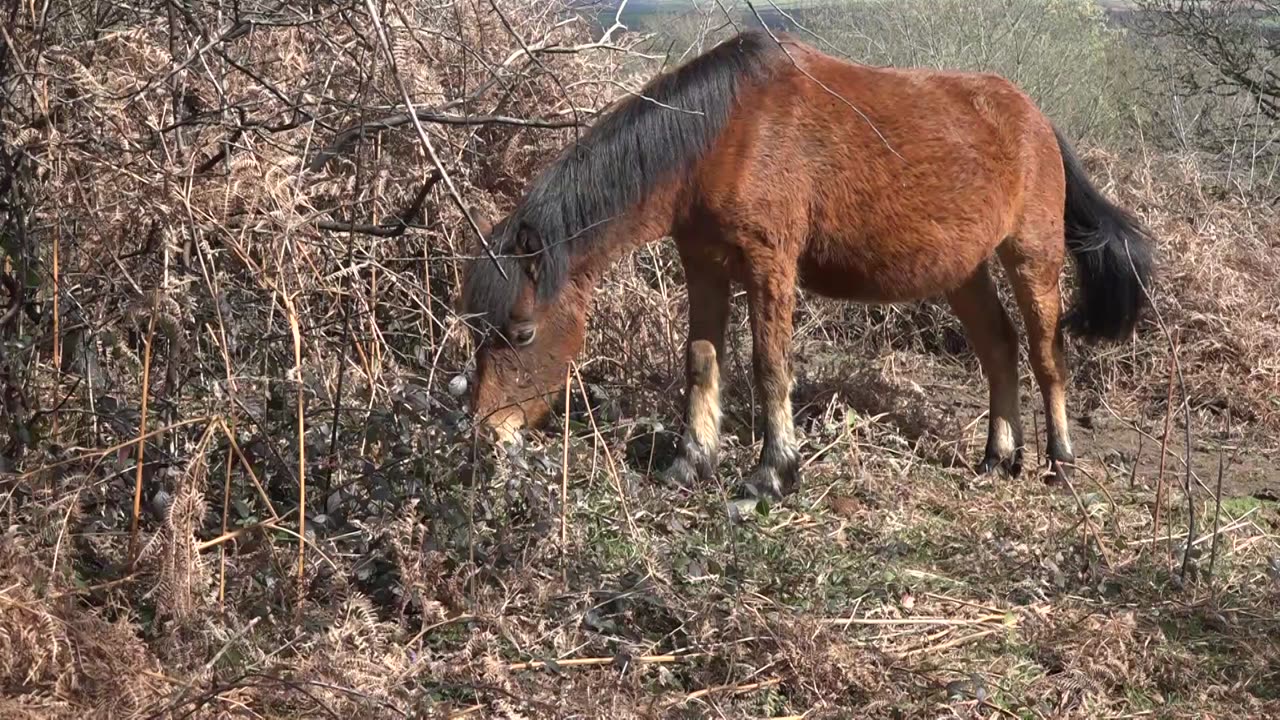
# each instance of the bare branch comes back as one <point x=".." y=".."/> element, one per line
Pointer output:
<point x="388" y="230"/>
<point x="426" y="141"/>
<point x="344" y="139"/>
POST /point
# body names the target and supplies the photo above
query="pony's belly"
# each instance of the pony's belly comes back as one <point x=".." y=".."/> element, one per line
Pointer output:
<point x="885" y="278"/>
<point x="858" y="286"/>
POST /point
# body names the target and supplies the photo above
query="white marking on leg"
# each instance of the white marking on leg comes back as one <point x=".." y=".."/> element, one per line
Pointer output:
<point x="1003" y="438"/>
<point x="1060" y="420"/>
<point x="704" y="397"/>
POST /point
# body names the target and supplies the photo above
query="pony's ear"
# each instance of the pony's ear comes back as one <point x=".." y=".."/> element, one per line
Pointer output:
<point x="529" y="244"/>
<point x="527" y="240"/>
<point x="484" y="222"/>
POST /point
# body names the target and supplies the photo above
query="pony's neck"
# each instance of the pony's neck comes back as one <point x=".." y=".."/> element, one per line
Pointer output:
<point x="645" y="222"/>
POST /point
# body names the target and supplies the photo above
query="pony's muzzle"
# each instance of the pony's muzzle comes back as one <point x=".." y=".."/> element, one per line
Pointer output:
<point x="506" y="426"/>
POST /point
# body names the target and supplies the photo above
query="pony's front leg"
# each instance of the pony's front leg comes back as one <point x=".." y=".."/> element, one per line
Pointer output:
<point x="772" y="300"/>
<point x="708" y="315"/>
<point x="701" y="439"/>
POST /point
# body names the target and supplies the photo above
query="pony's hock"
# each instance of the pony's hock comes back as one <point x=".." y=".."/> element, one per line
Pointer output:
<point x="777" y="167"/>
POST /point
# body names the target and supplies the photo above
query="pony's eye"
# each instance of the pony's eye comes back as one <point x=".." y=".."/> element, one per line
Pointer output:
<point x="523" y="333"/>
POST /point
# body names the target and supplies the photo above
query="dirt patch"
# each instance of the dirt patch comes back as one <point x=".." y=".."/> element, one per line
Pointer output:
<point x="942" y="401"/>
<point x="1250" y="466"/>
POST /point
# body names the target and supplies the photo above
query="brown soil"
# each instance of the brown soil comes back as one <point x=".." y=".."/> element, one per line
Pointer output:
<point x="944" y="401"/>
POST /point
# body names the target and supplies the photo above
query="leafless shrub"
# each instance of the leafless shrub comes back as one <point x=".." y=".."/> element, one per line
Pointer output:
<point x="1217" y="65"/>
<point x="208" y="179"/>
<point x="227" y="174"/>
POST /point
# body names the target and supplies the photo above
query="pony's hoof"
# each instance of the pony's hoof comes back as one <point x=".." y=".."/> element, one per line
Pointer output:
<point x="1010" y="467"/>
<point x="1058" y="472"/>
<point x="764" y="483"/>
<point x="681" y="473"/>
<point x="691" y="464"/>
<point x="1061" y="461"/>
<point x="770" y="483"/>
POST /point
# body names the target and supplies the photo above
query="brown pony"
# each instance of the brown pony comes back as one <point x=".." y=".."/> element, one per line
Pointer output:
<point x="778" y="167"/>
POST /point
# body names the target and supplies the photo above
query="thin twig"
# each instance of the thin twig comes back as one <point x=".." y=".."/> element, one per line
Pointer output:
<point x="954" y="642"/>
<point x="608" y="454"/>
<point x="226" y="514"/>
<point x="1172" y="339"/>
<point x="982" y="620"/>
<point x="62" y="533"/>
<point x="734" y="688"/>
<point x="413" y="209"/>
<point x="597" y="661"/>
<point x="229" y="431"/>
<point x="229" y="535"/>
<point x="104" y="452"/>
<point x="1088" y="523"/>
<point x="178" y="697"/>
<point x="142" y="442"/>
<point x="395" y="229"/>
<point x="1137" y="457"/>
<point x="1164" y="446"/>
<point x="1238" y="523"/>
<point x="237" y="29"/>
<point x="295" y="330"/>
<point x="1217" y="500"/>
<point x="57" y="332"/>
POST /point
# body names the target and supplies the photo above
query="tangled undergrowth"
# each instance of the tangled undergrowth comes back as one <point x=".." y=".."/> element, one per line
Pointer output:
<point x="224" y="237"/>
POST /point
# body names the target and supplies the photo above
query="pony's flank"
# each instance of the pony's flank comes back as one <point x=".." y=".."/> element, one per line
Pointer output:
<point x="648" y="139"/>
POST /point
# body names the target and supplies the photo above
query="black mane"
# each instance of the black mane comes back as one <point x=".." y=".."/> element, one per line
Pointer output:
<point x="636" y="146"/>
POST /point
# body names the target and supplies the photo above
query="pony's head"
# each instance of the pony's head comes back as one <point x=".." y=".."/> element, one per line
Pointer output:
<point x="527" y="326"/>
<point x="528" y="311"/>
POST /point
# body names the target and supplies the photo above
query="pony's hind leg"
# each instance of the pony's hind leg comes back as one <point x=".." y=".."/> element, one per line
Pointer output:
<point x="995" y="342"/>
<point x="1034" y="263"/>
<point x="708" y="315"/>
<point x="771" y="297"/>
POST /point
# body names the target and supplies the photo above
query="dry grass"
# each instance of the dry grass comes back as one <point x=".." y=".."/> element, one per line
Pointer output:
<point x="442" y="581"/>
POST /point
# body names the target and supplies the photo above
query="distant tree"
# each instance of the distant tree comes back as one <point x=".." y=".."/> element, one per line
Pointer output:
<point x="1233" y="48"/>
<point x="1063" y="53"/>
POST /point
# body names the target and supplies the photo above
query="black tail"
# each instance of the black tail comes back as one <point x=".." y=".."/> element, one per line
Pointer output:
<point x="1113" y="256"/>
